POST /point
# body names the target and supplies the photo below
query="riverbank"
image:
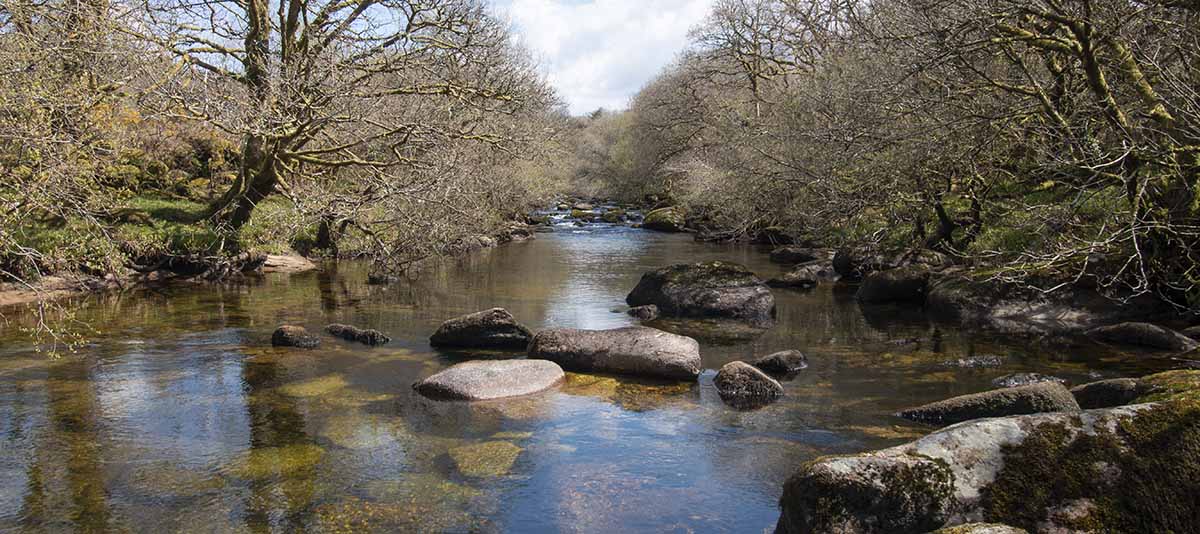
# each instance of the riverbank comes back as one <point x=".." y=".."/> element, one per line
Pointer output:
<point x="56" y="287"/>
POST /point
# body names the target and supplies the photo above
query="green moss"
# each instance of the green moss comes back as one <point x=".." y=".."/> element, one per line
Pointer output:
<point x="171" y="210"/>
<point x="1181" y="384"/>
<point x="487" y="459"/>
<point x="917" y="496"/>
<point x="286" y="461"/>
<point x="1144" y="476"/>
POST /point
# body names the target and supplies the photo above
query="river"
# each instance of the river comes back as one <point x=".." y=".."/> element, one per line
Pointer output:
<point x="177" y="415"/>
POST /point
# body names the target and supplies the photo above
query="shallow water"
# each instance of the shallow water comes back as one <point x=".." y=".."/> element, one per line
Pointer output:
<point x="179" y="416"/>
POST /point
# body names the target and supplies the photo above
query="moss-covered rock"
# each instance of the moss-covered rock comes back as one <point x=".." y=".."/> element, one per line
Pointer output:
<point x="706" y="289"/>
<point x="494" y="328"/>
<point x="867" y="493"/>
<point x="672" y="219"/>
<point x="1122" y="470"/>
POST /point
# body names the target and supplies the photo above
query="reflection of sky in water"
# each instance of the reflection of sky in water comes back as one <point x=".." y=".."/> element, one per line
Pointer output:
<point x="181" y="415"/>
<point x="588" y="259"/>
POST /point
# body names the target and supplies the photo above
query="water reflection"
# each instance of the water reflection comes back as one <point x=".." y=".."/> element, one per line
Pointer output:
<point x="179" y="413"/>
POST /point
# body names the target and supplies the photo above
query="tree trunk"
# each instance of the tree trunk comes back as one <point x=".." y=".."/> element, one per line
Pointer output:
<point x="256" y="180"/>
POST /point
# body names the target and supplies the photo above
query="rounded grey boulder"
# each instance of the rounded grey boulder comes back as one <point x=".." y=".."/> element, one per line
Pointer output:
<point x="494" y="328"/>
<point x="491" y="379"/>
<point x="1020" y="400"/>
<point x="707" y="289"/>
<point x="744" y="386"/>
<point x="633" y="350"/>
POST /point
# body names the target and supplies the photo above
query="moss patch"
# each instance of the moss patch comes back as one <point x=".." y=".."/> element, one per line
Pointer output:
<point x="286" y="461"/>
<point x="488" y="459"/>
<point x="1142" y="477"/>
<point x="315" y="387"/>
<point x="1183" y="384"/>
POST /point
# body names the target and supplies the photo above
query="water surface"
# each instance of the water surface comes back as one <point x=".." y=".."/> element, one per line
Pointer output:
<point x="179" y="416"/>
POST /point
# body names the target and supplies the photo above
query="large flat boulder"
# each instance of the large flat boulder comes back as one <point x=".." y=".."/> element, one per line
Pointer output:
<point x="494" y="328"/>
<point x="633" y="350"/>
<point x="1021" y="400"/>
<point x="708" y="289"/>
<point x="491" y="379"/>
<point x="1126" y="469"/>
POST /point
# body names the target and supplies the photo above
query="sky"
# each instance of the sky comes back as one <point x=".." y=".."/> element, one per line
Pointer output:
<point x="598" y="53"/>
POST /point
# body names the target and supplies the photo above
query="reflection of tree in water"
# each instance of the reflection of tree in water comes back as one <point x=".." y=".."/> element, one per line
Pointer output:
<point x="275" y="424"/>
<point x="71" y="446"/>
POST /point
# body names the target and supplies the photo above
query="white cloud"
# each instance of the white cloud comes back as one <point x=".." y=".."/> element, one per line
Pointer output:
<point x="598" y="53"/>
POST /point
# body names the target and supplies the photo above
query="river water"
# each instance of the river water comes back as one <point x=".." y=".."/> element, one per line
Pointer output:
<point x="177" y="415"/>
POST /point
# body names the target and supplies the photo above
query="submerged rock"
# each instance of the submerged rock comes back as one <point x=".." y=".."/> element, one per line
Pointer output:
<point x="294" y="336"/>
<point x="634" y="350"/>
<point x="487" y="459"/>
<point x="708" y="289"/>
<point x="1144" y="335"/>
<point x="491" y="379"/>
<point x="1125" y="469"/>
<point x="905" y="284"/>
<point x="745" y="386"/>
<point x="494" y="328"/>
<point x="782" y="363"/>
<point x="665" y="220"/>
<point x="1024" y="379"/>
<point x="649" y="312"/>
<point x="351" y="333"/>
<point x="1020" y="400"/>
<point x="1109" y="393"/>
